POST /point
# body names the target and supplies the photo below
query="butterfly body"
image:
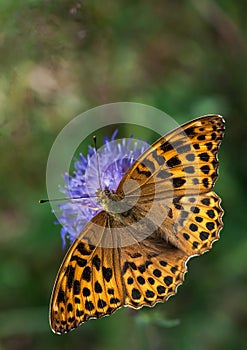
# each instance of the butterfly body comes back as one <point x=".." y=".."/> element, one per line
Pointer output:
<point x="108" y="199"/>
<point x="134" y="252"/>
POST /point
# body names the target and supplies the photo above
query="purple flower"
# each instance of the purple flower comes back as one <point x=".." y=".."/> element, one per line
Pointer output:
<point x="114" y="159"/>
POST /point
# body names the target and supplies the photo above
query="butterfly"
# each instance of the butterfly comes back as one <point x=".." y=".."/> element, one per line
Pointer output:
<point x="173" y="179"/>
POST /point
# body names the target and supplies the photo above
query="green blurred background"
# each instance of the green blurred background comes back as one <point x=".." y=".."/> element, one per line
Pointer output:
<point x="60" y="58"/>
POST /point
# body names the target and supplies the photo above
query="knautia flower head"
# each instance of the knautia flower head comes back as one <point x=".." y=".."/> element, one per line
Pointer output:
<point x="114" y="159"/>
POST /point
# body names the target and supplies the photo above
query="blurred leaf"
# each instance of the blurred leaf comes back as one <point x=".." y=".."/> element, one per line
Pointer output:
<point x="155" y="318"/>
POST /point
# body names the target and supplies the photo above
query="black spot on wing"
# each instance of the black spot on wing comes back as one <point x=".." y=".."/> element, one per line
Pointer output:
<point x="80" y="262"/>
<point x="97" y="287"/>
<point x="96" y="262"/>
<point x="61" y="296"/>
<point x="70" y="273"/>
<point x="174" y="161"/>
<point x="178" y="182"/>
<point x="76" y="287"/>
<point x="86" y="274"/>
<point x="135" y="293"/>
<point x="107" y="273"/>
<point x="82" y="250"/>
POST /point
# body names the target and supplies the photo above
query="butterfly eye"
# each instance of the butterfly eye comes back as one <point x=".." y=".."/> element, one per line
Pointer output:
<point x="107" y="191"/>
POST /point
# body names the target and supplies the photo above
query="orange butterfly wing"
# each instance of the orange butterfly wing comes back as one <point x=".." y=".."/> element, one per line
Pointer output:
<point x="177" y="173"/>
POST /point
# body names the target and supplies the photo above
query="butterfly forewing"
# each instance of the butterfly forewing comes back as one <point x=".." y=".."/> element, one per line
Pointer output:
<point x="177" y="172"/>
<point x="182" y="162"/>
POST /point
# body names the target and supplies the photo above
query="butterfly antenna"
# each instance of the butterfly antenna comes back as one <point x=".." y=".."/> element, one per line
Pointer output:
<point x="41" y="201"/>
<point x="66" y="199"/>
<point x="97" y="162"/>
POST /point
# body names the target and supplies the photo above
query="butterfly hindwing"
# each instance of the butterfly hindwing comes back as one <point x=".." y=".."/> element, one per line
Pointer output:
<point x="194" y="222"/>
<point x="151" y="271"/>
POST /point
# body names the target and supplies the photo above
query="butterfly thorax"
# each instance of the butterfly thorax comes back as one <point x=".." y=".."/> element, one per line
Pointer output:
<point x="110" y="201"/>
